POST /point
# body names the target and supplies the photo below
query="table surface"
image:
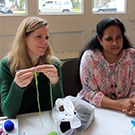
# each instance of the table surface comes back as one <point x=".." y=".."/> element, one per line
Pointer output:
<point x="15" y="121"/>
<point x="106" y="122"/>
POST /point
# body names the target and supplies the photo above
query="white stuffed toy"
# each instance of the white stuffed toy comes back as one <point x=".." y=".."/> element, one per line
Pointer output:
<point x="72" y="115"/>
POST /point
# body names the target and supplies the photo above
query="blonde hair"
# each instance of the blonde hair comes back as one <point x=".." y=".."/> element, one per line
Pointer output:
<point x="18" y="57"/>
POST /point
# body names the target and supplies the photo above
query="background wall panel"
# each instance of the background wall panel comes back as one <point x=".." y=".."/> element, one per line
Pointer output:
<point x="68" y="33"/>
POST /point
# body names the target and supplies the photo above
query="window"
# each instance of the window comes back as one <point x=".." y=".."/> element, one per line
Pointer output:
<point x="59" y="3"/>
<point x="109" y="6"/>
<point x="12" y="6"/>
<point x="48" y="3"/>
<point x="66" y="3"/>
<point x="59" y="6"/>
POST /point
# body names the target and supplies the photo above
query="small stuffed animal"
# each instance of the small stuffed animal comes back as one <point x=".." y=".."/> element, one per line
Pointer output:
<point x="72" y="115"/>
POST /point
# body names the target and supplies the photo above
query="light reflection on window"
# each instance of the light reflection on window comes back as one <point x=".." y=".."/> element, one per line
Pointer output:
<point x="59" y="6"/>
<point x="109" y="6"/>
<point x="12" y="7"/>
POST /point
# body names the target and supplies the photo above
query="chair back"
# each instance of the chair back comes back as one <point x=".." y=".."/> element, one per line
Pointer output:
<point x="70" y="77"/>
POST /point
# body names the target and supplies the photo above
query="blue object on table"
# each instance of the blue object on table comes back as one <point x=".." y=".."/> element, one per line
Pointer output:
<point x="8" y="125"/>
<point x="133" y="127"/>
<point x="133" y="121"/>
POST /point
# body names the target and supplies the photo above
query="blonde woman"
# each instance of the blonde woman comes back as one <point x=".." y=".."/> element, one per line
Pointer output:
<point x="30" y="51"/>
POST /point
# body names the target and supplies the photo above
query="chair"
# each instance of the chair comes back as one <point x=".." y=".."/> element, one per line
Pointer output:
<point x="70" y="77"/>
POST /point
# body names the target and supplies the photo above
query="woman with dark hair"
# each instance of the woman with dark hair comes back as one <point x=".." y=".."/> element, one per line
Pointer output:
<point x="107" y="68"/>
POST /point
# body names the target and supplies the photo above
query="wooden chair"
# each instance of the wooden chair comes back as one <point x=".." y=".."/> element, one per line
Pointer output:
<point x="70" y="77"/>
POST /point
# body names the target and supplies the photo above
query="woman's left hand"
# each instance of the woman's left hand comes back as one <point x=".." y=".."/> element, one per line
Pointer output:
<point x="129" y="112"/>
<point x="50" y="71"/>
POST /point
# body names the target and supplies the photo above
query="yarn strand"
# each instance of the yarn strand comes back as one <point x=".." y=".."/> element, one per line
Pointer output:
<point x="51" y="99"/>
<point x="36" y="80"/>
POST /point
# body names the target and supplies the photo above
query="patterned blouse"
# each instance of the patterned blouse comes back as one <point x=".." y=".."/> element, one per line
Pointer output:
<point x="100" y="78"/>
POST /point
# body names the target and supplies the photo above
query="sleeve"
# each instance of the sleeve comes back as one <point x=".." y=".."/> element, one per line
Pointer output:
<point x="90" y="91"/>
<point x="57" y="89"/>
<point x="11" y="94"/>
<point x="132" y="89"/>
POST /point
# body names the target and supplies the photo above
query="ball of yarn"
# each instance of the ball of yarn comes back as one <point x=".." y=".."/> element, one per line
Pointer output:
<point x="8" y="125"/>
<point x="53" y="133"/>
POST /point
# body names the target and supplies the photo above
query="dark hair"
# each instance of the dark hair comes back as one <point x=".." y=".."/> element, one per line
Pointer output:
<point x="94" y="44"/>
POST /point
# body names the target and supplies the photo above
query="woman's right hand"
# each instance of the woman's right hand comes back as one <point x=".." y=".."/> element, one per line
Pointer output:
<point x="24" y="77"/>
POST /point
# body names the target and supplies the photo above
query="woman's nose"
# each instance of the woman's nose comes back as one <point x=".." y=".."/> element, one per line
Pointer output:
<point x="44" y="41"/>
<point x="114" y="43"/>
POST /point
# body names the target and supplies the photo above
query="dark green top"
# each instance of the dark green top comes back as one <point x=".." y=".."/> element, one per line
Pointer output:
<point x="16" y="100"/>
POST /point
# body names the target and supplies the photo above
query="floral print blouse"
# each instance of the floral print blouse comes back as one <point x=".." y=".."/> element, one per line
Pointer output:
<point x="100" y="78"/>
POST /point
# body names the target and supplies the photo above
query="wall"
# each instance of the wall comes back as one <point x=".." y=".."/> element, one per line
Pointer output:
<point x="68" y="33"/>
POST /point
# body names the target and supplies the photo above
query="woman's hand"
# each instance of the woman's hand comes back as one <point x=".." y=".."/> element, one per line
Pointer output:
<point x="129" y="112"/>
<point x="128" y="106"/>
<point x="24" y="77"/>
<point x="50" y="71"/>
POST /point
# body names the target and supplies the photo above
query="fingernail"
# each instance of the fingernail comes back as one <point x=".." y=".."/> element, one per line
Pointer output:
<point x="123" y="110"/>
<point x="17" y="70"/>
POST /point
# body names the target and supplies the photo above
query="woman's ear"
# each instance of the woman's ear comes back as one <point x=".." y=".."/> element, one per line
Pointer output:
<point x="25" y="39"/>
<point x="99" y="39"/>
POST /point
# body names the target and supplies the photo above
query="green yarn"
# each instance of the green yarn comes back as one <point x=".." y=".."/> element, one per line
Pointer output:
<point x="36" y="80"/>
<point x="51" y="98"/>
<point x="53" y="133"/>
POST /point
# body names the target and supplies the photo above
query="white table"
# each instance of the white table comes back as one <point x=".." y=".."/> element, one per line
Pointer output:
<point x="106" y="122"/>
<point x="110" y="122"/>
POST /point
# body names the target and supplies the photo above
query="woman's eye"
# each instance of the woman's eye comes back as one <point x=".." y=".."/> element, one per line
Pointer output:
<point x="119" y="37"/>
<point x="108" y="39"/>
<point x="47" y="37"/>
<point x="38" y="36"/>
